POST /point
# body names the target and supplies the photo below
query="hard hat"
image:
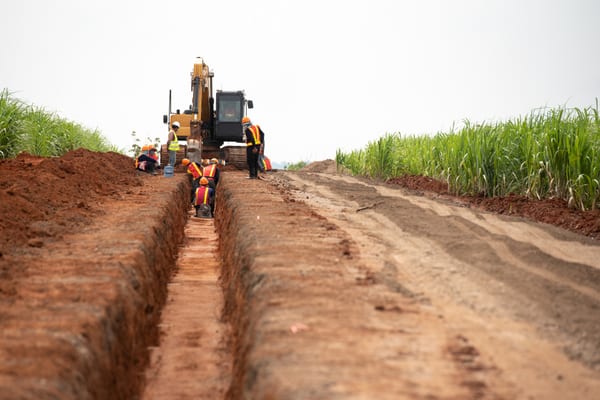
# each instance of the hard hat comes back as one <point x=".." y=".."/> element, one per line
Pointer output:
<point x="203" y="181"/>
<point x="214" y="161"/>
<point x="151" y="148"/>
<point x="245" y="120"/>
<point x="185" y="162"/>
<point x="146" y="147"/>
<point x="176" y="124"/>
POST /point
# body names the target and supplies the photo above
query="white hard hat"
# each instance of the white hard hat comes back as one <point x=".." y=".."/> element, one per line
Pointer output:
<point x="176" y="124"/>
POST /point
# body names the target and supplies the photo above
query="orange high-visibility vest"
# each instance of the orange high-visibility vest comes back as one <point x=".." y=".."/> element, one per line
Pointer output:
<point x="209" y="171"/>
<point x="202" y="195"/>
<point x="194" y="170"/>
<point x="255" y="130"/>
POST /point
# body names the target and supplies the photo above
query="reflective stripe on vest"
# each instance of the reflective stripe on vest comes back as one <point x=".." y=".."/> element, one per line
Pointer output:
<point x="194" y="170"/>
<point x="209" y="171"/>
<point x="202" y="195"/>
<point x="174" y="144"/>
<point x="255" y="130"/>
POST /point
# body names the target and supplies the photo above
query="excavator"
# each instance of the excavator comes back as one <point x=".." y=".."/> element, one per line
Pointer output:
<point x="205" y="126"/>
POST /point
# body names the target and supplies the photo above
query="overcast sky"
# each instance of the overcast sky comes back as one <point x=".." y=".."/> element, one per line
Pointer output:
<point x="323" y="75"/>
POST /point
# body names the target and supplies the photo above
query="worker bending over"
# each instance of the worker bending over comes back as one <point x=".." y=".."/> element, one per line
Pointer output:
<point x="147" y="162"/>
<point x="194" y="170"/>
<point x="211" y="172"/>
<point x="204" y="201"/>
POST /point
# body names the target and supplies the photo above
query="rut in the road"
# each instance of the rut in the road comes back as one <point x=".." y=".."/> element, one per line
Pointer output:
<point x="192" y="361"/>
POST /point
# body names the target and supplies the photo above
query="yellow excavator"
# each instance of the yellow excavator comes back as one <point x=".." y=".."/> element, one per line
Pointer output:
<point x="206" y="126"/>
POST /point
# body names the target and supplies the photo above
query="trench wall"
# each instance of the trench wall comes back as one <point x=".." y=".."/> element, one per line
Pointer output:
<point x="89" y="310"/>
<point x="265" y="241"/>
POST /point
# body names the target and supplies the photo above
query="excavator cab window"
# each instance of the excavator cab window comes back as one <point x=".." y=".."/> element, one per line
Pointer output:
<point x="229" y="111"/>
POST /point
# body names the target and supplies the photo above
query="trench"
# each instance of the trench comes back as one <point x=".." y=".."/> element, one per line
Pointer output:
<point x="195" y="353"/>
<point x="205" y="322"/>
<point x="192" y="360"/>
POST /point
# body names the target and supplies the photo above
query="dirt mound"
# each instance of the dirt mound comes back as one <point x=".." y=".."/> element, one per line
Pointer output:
<point x="326" y="166"/>
<point x="86" y="251"/>
<point x="41" y="199"/>
<point x="44" y="197"/>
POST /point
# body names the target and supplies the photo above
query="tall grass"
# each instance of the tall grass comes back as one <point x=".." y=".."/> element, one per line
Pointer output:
<point x="32" y="129"/>
<point x="11" y="113"/>
<point x="548" y="153"/>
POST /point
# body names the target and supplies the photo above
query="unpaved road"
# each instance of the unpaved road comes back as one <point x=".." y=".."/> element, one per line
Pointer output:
<point x="446" y="302"/>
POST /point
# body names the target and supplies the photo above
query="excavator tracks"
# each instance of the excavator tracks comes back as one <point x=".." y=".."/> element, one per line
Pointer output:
<point x="234" y="155"/>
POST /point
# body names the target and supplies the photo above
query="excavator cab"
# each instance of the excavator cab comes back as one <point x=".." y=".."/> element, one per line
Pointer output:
<point x="229" y="113"/>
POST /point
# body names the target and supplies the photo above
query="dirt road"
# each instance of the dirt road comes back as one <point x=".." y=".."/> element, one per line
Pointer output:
<point x="344" y="288"/>
<point x="332" y="287"/>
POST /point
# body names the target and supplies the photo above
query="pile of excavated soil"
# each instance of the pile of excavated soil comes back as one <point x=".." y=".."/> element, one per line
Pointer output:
<point x="87" y="247"/>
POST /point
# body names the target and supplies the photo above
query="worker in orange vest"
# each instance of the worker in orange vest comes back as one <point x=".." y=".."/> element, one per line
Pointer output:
<point x="211" y="172"/>
<point x="255" y="142"/>
<point x="204" y="200"/>
<point x="147" y="161"/>
<point x="195" y="172"/>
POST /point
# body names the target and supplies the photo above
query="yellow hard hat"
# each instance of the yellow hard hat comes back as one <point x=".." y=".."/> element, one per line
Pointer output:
<point x="214" y="161"/>
<point x="185" y="162"/>
<point x="245" y="120"/>
<point x="203" y="181"/>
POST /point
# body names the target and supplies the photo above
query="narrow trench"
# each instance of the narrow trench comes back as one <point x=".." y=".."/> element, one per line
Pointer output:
<point x="192" y="360"/>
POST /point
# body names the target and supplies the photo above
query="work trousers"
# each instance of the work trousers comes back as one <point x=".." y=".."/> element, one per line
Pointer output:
<point x="172" y="157"/>
<point x="252" y="159"/>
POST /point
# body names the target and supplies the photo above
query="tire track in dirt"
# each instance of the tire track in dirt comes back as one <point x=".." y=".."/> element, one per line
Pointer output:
<point x="554" y="274"/>
<point x="455" y="258"/>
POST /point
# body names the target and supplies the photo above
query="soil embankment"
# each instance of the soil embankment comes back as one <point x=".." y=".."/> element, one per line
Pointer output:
<point x="87" y="248"/>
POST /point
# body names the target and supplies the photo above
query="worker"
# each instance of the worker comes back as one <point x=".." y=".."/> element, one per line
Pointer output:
<point x="144" y="149"/>
<point x="148" y="162"/>
<point x="173" y="143"/>
<point x="152" y="153"/>
<point x="255" y="139"/>
<point x="211" y="172"/>
<point x="204" y="199"/>
<point x="195" y="172"/>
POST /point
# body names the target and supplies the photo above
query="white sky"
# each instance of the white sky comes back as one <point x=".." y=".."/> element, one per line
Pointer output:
<point x="323" y="75"/>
